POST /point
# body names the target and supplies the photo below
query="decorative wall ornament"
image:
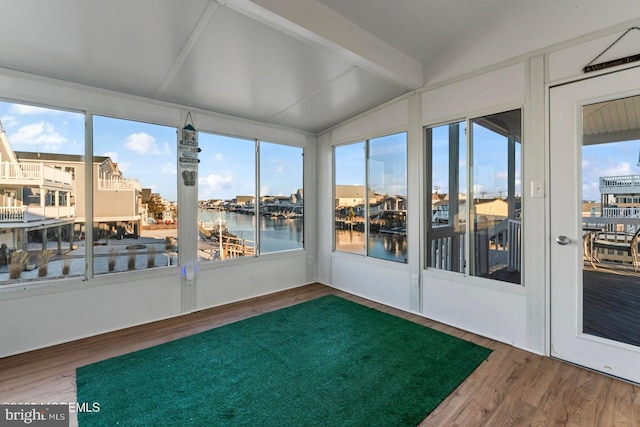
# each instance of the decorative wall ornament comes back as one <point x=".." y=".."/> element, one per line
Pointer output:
<point x="608" y="64"/>
<point x="188" y="153"/>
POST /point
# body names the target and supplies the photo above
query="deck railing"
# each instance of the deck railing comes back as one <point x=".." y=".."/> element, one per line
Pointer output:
<point x="629" y="212"/>
<point x="119" y="184"/>
<point x="10" y="214"/>
<point x="514" y="244"/>
<point x="447" y="247"/>
<point x="620" y="184"/>
<point x="447" y="253"/>
<point x="37" y="173"/>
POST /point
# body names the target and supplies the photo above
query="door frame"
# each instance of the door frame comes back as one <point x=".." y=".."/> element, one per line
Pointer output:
<point x="624" y="353"/>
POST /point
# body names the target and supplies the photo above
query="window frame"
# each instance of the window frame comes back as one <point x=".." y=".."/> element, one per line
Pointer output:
<point x="256" y="208"/>
<point x="468" y="120"/>
<point x="367" y="191"/>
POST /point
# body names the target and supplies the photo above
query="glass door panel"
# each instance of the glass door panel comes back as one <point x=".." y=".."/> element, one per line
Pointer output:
<point x="611" y="219"/>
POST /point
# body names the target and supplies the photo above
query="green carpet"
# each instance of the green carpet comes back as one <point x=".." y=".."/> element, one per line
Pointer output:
<point x="326" y="362"/>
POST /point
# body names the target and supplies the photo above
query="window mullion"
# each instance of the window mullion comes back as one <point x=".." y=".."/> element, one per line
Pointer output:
<point x="256" y="205"/>
<point x="366" y="196"/>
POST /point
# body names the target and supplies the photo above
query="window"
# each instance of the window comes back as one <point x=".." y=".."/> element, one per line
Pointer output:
<point x="281" y="198"/>
<point x="232" y="222"/>
<point x="41" y="226"/>
<point x="134" y="205"/>
<point x="446" y="229"/>
<point x="478" y="233"/>
<point x="371" y="197"/>
<point x="349" y="170"/>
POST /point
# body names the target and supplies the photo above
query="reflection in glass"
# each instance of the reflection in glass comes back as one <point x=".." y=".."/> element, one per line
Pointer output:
<point x="446" y="228"/>
<point x="388" y="197"/>
<point x="281" y="198"/>
<point x="134" y="208"/>
<point x="495" y="199"/>
<point x="42" y="215"/>
<point x="611" y="219"/>
<point x="350" y="197"/>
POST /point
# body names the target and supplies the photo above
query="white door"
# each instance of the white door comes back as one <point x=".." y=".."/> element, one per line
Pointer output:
<point x="595" y="212"/>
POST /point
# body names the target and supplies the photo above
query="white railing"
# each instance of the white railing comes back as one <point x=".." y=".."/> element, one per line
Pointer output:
<point x="630" y="212"/>
<point x="443" y="251"/>
<point x="34" y="213"/>
<point x="614" y="184"/>
<point x="12" y="213"/>
<point x="34" y="172"/>
<point x="448" y="248"/>
<point x="514" y="245"/>
<point x="119" y="184"/>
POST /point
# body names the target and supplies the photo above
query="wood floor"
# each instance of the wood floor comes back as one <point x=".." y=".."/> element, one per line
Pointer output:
<point x="611" y="302"/>
<point x="513" y="387"/>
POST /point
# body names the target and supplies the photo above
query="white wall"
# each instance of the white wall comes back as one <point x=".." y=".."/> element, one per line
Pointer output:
<point x="384" y="281"/>
<point x="513" y="314"/>
<point x="489" y="308"/>
<point x="39" y="314"/>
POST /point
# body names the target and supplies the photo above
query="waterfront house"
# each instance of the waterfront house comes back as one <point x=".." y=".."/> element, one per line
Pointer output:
<point x="35" y="197"/>
<point x="118" y="203"/>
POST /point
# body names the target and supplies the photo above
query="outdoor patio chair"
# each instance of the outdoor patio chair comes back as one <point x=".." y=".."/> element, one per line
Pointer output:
<point x="629" y="246"/>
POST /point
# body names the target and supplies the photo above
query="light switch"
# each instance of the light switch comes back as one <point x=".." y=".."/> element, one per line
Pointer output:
<point x="537" y="189"/>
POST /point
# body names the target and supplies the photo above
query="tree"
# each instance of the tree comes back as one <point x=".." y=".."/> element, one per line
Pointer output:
<point x="156" y="205"/>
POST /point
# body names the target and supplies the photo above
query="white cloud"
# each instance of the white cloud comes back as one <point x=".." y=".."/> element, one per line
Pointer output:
<point x="9" y="121"/>
<point x="169" y="169"/>
<point x="41" y="134"/>
<point x="124" y="167"/>
<point x="218" y="157"/>
<point x="112" y="154"/>
<point x="143" y="143"/>
<point x="212" y="185"/>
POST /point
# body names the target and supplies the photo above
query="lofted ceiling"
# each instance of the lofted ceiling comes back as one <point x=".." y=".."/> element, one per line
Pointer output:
<point x="304" y="64"/>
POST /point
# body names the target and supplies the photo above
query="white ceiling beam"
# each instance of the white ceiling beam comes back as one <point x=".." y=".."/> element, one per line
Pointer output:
<point x="193" y="38"/>
<point x="312" y="21"/>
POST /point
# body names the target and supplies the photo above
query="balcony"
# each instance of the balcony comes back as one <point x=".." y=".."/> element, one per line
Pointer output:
<point x="25" y="214"/>
<point x="119" y="184"/>
<point x="34" y="175"/>
<point x="626" y="184"/>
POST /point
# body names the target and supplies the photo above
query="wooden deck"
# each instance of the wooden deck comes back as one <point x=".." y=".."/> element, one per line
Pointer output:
<point x="512" y="387"/>
<point x="611" y="302"/>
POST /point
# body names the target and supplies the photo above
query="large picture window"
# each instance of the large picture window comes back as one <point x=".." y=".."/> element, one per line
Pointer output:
<point x="371" y="197"/>
<point x="135" y="217"/>
<point x="42" y="219"/>
<point x="476" y="200"/>
<point x="232" y="221"/>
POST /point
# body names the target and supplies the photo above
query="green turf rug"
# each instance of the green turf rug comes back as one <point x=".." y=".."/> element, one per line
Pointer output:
<point x="326" y="362"/>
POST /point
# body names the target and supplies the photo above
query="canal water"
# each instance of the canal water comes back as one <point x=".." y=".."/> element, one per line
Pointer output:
<point x="276" y="234"/>
<point x="280" y="234"/>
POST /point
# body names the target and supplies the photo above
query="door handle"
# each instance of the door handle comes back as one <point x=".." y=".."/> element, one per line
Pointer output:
<point x="563" y="240"/>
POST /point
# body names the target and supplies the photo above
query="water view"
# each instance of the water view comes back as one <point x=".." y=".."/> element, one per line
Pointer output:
<point x="277" y="233"/>
<point x="392" y="247"/>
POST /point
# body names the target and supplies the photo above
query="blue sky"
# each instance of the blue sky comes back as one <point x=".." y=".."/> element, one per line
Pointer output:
<point x="489" y="165"/>
<point x="387" y="169"/>
<point x="612" y="159"/>
<point x="147" y="152"/>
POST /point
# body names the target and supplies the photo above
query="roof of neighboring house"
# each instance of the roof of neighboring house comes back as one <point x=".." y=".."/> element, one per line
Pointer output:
<point x="75" y="158"/>
<point x="350" y="191"/>
<point x="242" y="199"/>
